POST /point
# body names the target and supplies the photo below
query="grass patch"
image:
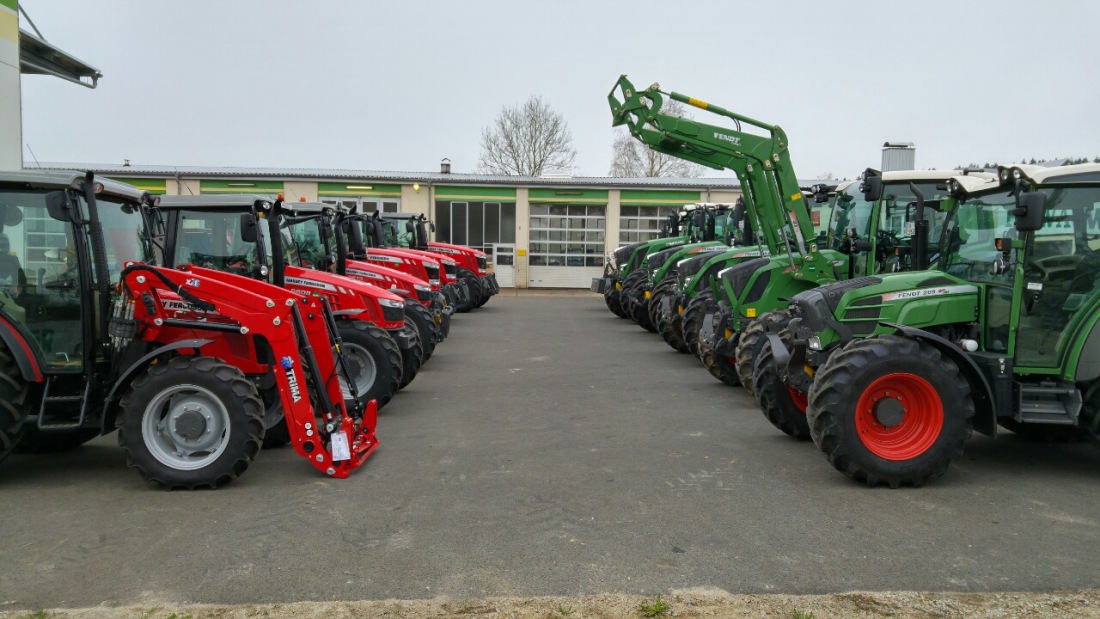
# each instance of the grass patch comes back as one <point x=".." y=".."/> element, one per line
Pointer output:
<point x="659" y="608"/>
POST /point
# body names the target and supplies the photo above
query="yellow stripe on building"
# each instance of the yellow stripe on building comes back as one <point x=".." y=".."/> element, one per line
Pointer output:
<point x="9" y="25"/>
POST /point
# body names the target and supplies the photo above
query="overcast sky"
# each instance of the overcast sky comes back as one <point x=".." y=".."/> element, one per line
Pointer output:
<point x="397" y="86"/>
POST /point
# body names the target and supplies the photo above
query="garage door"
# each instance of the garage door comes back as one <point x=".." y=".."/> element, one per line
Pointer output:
<point x="566" y="246"/>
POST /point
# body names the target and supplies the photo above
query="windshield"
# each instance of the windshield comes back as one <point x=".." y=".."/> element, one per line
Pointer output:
<point x="306" y="234"/>
<point x="968" y="247"/>
<point x="213" y="239"/>
<point x="850" y="217"/>
<point x="123" y="234"/>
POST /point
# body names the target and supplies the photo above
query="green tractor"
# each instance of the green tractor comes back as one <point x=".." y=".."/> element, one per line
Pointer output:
<point x="910" y="231"/>
<point x="1006" y="333"/>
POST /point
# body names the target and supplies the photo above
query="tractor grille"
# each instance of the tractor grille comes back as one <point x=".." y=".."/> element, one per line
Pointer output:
<point x="450" y="269"/>
<point x="758" y="287"/>
<point x="423" y="295"/>
<point x="481" y="262"/>
<point x="393" y="314"/>
<point x="738" y="277"/>
<point x="433" y="271"/>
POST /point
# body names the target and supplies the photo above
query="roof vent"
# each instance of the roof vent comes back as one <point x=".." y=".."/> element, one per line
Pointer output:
<point x="445" y="166"/>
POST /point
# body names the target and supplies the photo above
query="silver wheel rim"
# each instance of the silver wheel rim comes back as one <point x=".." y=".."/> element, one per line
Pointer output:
<point x="361" y="367"/>
<point x="185" y="427"/>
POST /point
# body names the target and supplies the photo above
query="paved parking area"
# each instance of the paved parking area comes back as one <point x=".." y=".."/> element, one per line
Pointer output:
<point x="549" y="448"/>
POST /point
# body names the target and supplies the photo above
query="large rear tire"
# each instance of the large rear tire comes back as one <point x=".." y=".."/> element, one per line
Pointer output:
<point x="753" y="340"/>
<point x="15" y="403"/>
<point x="692" y="320"/>
<point x="890" y="410"/>
<point x="373" y="360"/>
<point x="192" y="422"/>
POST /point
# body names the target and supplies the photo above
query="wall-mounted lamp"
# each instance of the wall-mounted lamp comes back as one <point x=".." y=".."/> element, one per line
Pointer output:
<point x="360" y="186"/>
<point x="568" y="193"/>
<point x="240" y="184"/>
<point x="416" y="186"/>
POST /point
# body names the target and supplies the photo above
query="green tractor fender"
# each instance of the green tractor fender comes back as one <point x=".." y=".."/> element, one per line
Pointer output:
<point x="1084" y="357"/>
<point x="985" y="407"/>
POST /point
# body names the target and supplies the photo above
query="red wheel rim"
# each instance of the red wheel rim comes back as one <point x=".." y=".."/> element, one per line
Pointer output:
<point x="899" y="416"/>
<point x="800" y="399"/>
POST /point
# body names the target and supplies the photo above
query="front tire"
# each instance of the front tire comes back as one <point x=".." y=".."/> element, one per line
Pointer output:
<point x="892" y="410"/>
<point x="429" y="331"/>
<point x="192" y="422"/>
<point x="411" y="359"/>
<point x="613" y="299"/>
<point x="373" y="360"/>
<point x="692" y="321"/>
<point x="477" y="294"/>
<point x="783" y="405"/>
<point x="753" y="340"/>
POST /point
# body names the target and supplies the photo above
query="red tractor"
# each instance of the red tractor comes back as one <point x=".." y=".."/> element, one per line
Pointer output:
<point x="322" y="244"/>
<point x="472" y="263"/>
<point x="244" y="235"/>
<point x="92" y="340"/>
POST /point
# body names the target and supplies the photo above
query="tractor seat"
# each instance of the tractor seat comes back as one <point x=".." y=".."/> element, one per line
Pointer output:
<point x="12" y="275"/>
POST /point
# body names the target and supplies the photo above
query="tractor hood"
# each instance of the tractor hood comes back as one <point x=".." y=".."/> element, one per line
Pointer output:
<point x="397" y="282"/>
<point x="335" y="284"/>
<point x="857" y="307"/>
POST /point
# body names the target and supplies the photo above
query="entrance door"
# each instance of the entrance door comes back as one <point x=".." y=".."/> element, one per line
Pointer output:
<point x="504" y="259"/>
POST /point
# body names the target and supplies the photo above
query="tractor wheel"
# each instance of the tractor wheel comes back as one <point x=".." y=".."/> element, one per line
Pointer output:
<point x="613" y="299"/>
<point x="35" y="441"/>
<point x="192" y="422"/>
<point x="668" y="326"/>
<point x="412" y="358"/>
<point x="889" y="409"/>
<point x="784" y="406"/>
<point x="639" y="309"/>
<point x="485" y="291"/>
<point x="15" y="403"/>
<point x="753" y="340"/>
<point x="421" y="318"/>
<point x="625" y="297"/>
<point x="276" y="433"/>
<point x="373" y="360"/>
<point x="472" y="282"/>
<point x="721" y="367"/>
<point x="692" y="320"/>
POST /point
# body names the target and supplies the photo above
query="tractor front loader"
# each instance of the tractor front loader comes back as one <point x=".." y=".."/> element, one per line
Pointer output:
<point x="94" y="340"/>
<point x="1005" y="333"/>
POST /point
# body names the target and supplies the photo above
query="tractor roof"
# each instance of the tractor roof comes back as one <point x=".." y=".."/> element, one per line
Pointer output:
<point x="72" y="179"/>
<point x="213" y="201"/>
<point x="1079" y="173"/>
<point x="928" y="175"/>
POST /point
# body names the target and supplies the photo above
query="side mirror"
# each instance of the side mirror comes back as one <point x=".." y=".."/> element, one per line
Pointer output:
<point x="1029" y="211"/>
<point x="57" y="205"/>
<point x="871" y="188"/>
<point x="248" y="228"/>
<point x="698" y="218"/>
<point x="739" y="212"/>
<point x="409" y="226"/>
<point x="431" y="226"/>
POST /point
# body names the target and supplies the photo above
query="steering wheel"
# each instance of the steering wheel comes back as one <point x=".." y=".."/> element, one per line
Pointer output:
<point x="1046" y="268"/>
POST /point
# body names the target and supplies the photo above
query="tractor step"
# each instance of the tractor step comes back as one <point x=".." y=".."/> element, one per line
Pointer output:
<point x="62" y="412"/>
<point x="1048" y="403"/>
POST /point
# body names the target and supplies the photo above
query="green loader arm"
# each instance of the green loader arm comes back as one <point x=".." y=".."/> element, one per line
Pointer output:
<point x="761" y="163"/>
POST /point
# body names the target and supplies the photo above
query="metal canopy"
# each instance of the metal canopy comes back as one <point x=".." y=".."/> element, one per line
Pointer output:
<point x="37" y="57"/>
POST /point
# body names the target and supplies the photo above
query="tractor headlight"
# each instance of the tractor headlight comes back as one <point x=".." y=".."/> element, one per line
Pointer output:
<point x="814" y="343"/>
<point x="1016" y="174"/>
<point x="398" y="303"/>
<point x="1004" y="175"/>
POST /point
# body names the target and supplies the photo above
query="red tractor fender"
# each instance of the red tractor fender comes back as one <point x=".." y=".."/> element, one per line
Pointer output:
<point x="22" y="350"/>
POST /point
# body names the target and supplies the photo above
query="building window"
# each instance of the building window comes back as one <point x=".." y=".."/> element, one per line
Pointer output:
<point x="641" y="223"/>
<point x="475" y="224"/>
<point x="367" y="204"/>
<point x="566" y="235"/>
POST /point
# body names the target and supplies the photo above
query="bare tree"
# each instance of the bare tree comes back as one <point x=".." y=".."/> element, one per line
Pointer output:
<point x="527" y="140"/>
<point x="631" y="158"/>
